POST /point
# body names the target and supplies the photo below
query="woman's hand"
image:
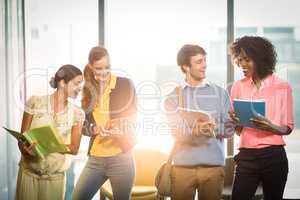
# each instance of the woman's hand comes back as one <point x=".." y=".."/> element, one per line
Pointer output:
<point x="236" y="122"/>
<point x="99" y="130"/>
<point x="264" y="124"/>
<point x="116" y="126"/>
<point x="27" y="150"/>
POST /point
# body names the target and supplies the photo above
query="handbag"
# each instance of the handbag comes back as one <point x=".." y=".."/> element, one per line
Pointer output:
<point x="163" y="181"/>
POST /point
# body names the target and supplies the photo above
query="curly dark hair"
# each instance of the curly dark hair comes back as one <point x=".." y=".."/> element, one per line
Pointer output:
<point x="186" y="52"/>
<point x="260" y="50"/>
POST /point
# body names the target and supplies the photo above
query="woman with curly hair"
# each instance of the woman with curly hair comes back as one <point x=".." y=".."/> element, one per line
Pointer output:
<point x="262" y="157"/>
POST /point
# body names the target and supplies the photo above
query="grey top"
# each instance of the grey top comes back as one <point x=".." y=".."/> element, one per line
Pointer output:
<point x="202" y="150"/>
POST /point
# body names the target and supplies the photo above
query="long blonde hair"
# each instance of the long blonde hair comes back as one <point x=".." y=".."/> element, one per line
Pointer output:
<point x="91" y="86"/>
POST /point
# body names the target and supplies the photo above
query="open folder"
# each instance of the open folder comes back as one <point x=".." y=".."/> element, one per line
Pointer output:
<point x="191" y="116"/>
<point x="247" y="109"/>
<point x="46" y="138"/>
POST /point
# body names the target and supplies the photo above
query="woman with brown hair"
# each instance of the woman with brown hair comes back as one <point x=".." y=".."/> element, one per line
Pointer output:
<point x="46" y="178"/>
<point x="109" y="102"/>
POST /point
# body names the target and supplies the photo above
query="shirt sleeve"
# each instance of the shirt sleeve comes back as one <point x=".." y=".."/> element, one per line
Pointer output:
<point x="226" y="126"/>
<point x="234" y="93"/>
<point x="79" y="116"/>
<point x="30" y="105"/>
<point x="287" y="117"/>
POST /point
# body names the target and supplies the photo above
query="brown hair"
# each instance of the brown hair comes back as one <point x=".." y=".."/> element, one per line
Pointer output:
<point x="91" y="86"/>
<point x="186" y="52"/>
<point x="66" y="73"/>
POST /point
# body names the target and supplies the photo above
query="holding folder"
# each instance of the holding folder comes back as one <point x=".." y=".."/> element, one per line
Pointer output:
<point x="247" y="109"/>
<point x="192" y="117"/>
<point x="46" y="138"/>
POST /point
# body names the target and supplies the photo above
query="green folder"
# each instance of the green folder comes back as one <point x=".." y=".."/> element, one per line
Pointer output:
<point x="46" y="137"/>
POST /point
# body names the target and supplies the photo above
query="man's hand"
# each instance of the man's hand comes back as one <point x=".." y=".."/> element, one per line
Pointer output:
<point x="204" y="128"/>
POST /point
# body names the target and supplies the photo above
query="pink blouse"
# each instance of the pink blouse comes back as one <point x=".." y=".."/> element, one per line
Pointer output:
<point x="277" y="94"/>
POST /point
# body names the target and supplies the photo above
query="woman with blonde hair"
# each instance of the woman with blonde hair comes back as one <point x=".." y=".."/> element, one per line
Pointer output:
<point x="109" y="102"/>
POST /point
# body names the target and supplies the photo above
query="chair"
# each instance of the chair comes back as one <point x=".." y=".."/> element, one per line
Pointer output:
<point x="228" y="181"/>
<point x="147" y="163"/>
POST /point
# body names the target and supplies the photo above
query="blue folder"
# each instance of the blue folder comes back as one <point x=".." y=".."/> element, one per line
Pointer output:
<point x="247" y="109"/>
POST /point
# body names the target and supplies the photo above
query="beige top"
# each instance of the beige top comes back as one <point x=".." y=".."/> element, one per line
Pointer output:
<point x="43" y="114"/>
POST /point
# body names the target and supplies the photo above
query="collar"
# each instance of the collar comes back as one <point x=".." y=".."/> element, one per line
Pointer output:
<point x="264" y="83"/>
<point x="112" y="84"/>
<point x="204" y="83"/>
<point x="113" y="81"/>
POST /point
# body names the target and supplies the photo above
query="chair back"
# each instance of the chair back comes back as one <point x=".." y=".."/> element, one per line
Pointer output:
<point x="148" y="162"/>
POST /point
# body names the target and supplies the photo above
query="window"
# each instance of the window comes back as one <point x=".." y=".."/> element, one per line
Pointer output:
<point x="143" y="38"/>
<point x="279" y="22"/>
<point x="58" y="32"/>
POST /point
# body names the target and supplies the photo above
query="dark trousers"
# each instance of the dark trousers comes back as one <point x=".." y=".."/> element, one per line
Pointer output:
<point x="268" y="166"/>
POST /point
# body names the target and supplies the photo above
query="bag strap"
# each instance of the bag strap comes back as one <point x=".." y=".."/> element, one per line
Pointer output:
<point x="179" y="94"/>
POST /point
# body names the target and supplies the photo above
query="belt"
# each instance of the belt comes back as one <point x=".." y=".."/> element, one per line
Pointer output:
<point x="198" y="166"/>
<point x="56" y="176"/>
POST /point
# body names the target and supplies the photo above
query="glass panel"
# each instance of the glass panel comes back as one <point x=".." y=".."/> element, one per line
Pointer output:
<point x="143" y="38"/>
<point x="280" y="23"/>
<point x="58" y="32"/>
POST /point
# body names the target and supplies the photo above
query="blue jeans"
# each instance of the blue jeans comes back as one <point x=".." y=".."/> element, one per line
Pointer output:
<point x="70" y="182"/>
<point x="119" y="169"/>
